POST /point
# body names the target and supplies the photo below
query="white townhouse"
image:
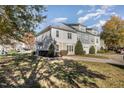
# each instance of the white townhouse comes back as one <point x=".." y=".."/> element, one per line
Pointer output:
<point x="65" y="37"/>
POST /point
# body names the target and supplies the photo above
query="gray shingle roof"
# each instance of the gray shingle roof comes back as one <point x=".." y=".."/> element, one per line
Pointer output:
<point x="67" y="27"/>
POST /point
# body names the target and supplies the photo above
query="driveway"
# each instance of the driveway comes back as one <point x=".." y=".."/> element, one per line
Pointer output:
<point x="115" y="59"/>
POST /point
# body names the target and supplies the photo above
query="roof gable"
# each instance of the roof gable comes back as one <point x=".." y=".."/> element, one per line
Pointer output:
<point x="67" y="27"/>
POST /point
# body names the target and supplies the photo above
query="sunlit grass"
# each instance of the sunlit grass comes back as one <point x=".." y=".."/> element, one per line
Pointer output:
<point x="95" y="56"/>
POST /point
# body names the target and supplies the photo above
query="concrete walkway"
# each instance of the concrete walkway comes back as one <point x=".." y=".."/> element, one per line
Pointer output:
<point x="89" y="59"/>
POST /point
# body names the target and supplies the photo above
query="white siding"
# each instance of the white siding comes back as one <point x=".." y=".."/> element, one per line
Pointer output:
<point x="63" y="40"/>
<point x="44" y="39"/>
<point x="82" y="28"/>
<point x="43" y="36"/>
<point x="97" y="43"/>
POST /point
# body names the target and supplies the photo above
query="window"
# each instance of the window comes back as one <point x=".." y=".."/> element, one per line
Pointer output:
<point x="57" y="47"/>
<point x="92" y="40"/>
<point x="69" y="48"/>
<point x="57" y="33"/>
<point x="72" y="48"/>
<point x="69" y="36"/>
<point x="97" y="41"/>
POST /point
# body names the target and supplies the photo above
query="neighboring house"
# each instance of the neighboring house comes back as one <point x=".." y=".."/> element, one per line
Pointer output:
<point x="26" y="46"/>
<point x="4" y="49"/>
<point x="16" y="45"/>
<point x="65" y="37"/>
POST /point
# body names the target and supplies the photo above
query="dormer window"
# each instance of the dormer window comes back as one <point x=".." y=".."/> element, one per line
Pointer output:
<point x="92" y="40"/>
<point x="57" y="33"/>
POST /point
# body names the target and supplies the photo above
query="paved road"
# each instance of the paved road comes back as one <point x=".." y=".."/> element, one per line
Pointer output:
<point x="110" y="60"/>
<point x="116" y="57"/>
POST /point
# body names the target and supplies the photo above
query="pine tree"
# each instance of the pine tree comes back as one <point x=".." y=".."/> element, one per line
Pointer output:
<point x="51" y="52"/>
<point x="92" y="50"/>
<point x="78" y="48"/>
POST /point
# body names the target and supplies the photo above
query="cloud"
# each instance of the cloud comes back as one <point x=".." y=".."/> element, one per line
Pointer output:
<point x="98" y="25"/>
<point x="90" y="15"/>
<point x="114" y="14"/>
<point x="102" y="22"/>
<point x="59" y="19"/>
<point x="103" y="10"/>
<point x="79" y="12"/>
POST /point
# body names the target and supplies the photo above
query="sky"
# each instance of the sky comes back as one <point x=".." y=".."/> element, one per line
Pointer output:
<point x="89" y="15"/>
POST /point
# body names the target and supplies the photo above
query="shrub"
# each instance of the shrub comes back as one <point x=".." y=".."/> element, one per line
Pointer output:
<point x="101" y="51"/>
<point x="101" y="48"/>
<point x="92" y="50"/>
<point x="13" y="53"/>
<point x="63" y="52"/>
<point x="84" y="52"/>
<point x="35" y="84"/>
<point x="51" y="51"/>
<point x="78" y="48"/>
<point x="33" y="53"/>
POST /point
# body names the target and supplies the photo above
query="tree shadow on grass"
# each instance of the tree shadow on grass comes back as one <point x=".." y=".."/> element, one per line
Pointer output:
<point x="8" y="77"/>
<point x="70" y="72"/>
<point x="118" y="66"/>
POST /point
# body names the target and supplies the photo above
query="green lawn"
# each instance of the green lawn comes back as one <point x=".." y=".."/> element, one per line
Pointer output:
<point x="0" y="57"/>
<point x="114" y="74"/>
<point x="25" y="71"/>
<point x="95" y="56"/>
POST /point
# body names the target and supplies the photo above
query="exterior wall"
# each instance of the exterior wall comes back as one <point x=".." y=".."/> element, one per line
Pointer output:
<point x="62" y="41"/>
<point x="87" y="40"/>
<point x="97" y="43"/>
<point x="94" y="41"/>
<point x="82" y="28"/>
<point x="86" y="48"/>
<point x="43" y="41"/>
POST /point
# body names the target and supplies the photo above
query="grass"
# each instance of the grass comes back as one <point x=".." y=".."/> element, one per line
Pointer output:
<point x="114" y="74"/>
<point x="95" y="56"/>
<point x="0" y="57"/>
<point x="12" y="53"/>
<point x="25" y="71"/>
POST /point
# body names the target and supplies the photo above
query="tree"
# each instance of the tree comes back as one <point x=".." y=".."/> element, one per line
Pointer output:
<point x="92" y="50"/>
<point x="113" y="32"/>
<point x="16" y="20"/>
<point x="78" y="48"/>
<point x="29" y="40"/>
<point x="51" y="51"/>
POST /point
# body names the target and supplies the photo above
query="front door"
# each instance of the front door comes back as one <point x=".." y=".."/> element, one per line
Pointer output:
<point x="70" y="49"/>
